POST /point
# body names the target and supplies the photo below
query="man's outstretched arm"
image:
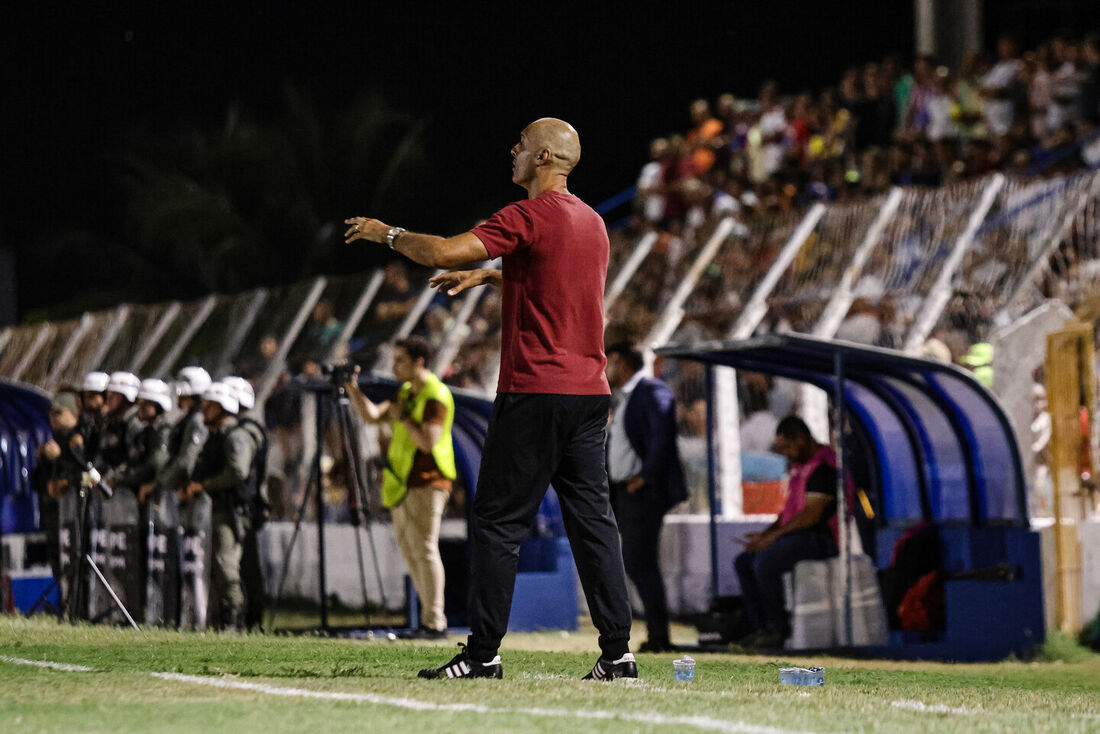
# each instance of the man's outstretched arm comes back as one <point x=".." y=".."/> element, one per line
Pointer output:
<point x="426" y="249"/>
<point x="457" y="281"/>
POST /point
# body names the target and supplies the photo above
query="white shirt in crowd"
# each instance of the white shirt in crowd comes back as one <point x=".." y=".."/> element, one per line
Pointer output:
<point x="653" y="206"/>
<point x="622" y="462"/>
<point x="999" y="112"/>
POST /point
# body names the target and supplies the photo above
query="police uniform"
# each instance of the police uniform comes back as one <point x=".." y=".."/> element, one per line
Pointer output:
<point x="113" y="448"/>
<point x="185" y="440"/>
<point x="256" y="508"/>
<point x="222" y="469"/>
<point x="146" y="453"/>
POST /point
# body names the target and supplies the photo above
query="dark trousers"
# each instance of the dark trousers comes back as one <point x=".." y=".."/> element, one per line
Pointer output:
<point x="761" y="574"/>
<point x="252" y="579"/>
<point x="533" y="441"/>
<point x="640" y="517"/>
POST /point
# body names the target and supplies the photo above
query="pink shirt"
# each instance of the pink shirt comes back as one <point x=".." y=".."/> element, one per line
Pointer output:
<point x="555" y="252"/>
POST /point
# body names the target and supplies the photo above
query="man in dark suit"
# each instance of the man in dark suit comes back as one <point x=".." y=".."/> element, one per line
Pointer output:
<point x="646" y="478"/>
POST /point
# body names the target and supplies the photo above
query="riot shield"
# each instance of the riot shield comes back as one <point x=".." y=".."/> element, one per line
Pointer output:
<point x="122" y="551"/>
<point x="161" y="528"/>
<point x="195" y="554"/>
<point x="68" y="537"/>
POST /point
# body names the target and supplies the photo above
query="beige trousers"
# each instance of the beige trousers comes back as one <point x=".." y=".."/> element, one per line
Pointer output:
<point x="416" y="523"/>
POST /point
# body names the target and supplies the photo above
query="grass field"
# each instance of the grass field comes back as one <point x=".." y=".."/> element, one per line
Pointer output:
<point x="115" y="680"/>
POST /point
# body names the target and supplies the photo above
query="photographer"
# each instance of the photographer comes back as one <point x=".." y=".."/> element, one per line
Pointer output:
<point x="420" y="469"/>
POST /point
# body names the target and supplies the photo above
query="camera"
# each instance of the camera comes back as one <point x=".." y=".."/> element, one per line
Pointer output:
<point x="339" y="374"/>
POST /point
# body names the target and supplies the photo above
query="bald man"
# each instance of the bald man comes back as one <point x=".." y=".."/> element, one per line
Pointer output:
<point x="552" y="399"/>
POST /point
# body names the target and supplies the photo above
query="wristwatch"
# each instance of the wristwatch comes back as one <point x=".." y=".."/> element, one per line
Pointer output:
<point x="392" y="235"/>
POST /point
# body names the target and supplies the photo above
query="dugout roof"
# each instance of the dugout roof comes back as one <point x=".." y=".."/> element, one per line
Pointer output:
<point x="24" y="426"/>
<point x="939" y="444"/>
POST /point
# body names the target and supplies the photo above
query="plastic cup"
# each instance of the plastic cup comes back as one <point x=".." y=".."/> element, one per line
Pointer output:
<point x="685" y="669"/>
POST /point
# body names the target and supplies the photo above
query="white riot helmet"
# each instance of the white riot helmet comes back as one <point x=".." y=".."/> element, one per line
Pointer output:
<point x="95" y="382"/>
<point x="156" y="391"/>
<point x="125" y="384"/>
<point x="242" y="388"/>
<point x="223" y="395"/>
<point x="192" y="381"/>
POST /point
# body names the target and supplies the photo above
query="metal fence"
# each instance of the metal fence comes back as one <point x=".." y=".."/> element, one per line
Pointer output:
<point x="953" y="262"/>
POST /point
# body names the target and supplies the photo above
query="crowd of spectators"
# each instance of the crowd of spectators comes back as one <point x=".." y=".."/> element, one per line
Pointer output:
<point x="1032" y="116"/>
<point x="881" y="125"/>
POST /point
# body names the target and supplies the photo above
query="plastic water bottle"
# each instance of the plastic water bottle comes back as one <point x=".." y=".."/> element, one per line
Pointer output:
<point x="802" y="676"/>
<point x="685" y="669"/>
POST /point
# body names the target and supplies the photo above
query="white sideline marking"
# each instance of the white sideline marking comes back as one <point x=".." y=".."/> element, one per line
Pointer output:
<point x="46" y="664"/>
<point x="935" y="708"/>
<point x="939" y="708"/>
<point x="700" y="722"/>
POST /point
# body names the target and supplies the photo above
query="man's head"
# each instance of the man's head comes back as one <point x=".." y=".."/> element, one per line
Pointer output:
<point x="92" y="390"/>
<point x="1007" y="47"/>
<point x="122" y="390"/>
<point x="63" y="412"/>
<point x="700" y="112"/>
<point x="219" y="404"/>
<point x="623" y="360"/>
<point x="153" y="399"/>
<point x="410" y="355"/>
<point x="547" y="148"/>
<point x="191" y="383"/>
<point x="793" y="440"/>
<point x="1090" y="48"/>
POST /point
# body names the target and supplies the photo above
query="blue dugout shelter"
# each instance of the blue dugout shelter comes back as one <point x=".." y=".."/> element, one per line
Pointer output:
<point x="24" y="426"/>
<point x="934" y="446"/>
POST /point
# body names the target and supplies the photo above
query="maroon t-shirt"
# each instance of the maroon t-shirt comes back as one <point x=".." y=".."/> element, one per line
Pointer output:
<point x="554" y="251"/>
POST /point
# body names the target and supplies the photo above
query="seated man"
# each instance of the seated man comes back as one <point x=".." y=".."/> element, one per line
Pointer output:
<point x="805" y="529"/>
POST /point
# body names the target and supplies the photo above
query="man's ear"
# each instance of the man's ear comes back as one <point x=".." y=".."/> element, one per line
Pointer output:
<point x="544" y="157"/>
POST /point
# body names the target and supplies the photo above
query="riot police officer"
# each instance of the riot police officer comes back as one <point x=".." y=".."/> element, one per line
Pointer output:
<point x="256" y="508"/>
<point x="147" y="446"/>
<point x="93" y="392"/>
<point x="120" y="423"/>
<point x="186" y="437"/>
<point x="221" y="472"/>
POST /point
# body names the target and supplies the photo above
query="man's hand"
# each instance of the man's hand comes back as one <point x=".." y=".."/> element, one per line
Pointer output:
<point x="145" y="490"/>
<point x="50" y="450"/>
<point x="759" y="541"/>
<point x="193" y="489"/>
<point x="56" y="487"/>
<point x="457" y="281"/>
<point x="634" y="484"/>
<point x="395" y="411"/>
<point x="364" y="228"/>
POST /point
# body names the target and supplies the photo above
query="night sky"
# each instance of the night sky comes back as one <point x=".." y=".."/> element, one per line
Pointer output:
<point x="79" y="77"/>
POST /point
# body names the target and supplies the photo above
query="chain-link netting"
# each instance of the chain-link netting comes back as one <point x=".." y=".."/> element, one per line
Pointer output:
<point x="731" y="278"/>
<point x="1069" y="269"/>
<point x="401" y="288"/>
<point x="216" y="342"/>
<point x="42" y="366"/>
<point x="264" y="340"/>
<point x="800" y="296"/>
<point x="327" y="319"/>
<point x="1024" y="224"/>
<point x="906" y="261"/>
<point x="144" y="328"/>
<point x="22" y="340"/>
<point x="98" y="333"/>
<point x="161" y="359"/>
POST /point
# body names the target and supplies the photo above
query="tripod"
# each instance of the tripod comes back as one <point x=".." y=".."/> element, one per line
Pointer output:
<point x="332" y="393"/>
<point x="79" y="586"/>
